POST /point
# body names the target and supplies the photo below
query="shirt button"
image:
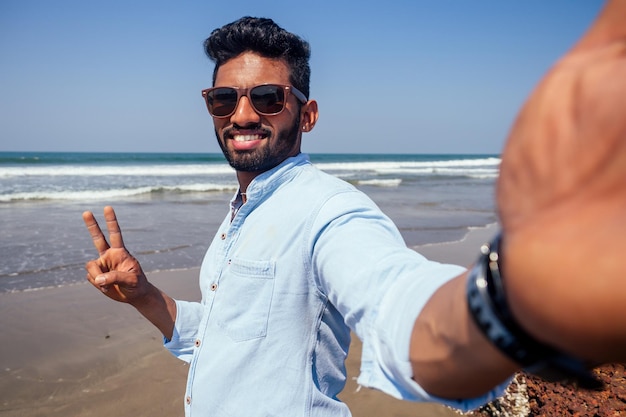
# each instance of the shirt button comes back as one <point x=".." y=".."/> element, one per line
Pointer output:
<point x="197" y="343"/>
<point x="223" y="236"/>
<point x="213" y="287"/>
<point x="188" y="400"/>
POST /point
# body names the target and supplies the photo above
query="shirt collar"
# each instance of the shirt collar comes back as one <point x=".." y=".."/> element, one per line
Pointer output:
<point x="268" y="181"/>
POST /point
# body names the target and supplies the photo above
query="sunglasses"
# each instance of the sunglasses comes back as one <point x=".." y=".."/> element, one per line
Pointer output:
<point x="266" y="99"/>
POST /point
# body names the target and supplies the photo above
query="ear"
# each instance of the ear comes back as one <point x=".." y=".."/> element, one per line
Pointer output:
<point x="308" y="116"/>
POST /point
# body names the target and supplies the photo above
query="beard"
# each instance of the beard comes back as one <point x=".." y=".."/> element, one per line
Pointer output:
<point x="266" y="157"/>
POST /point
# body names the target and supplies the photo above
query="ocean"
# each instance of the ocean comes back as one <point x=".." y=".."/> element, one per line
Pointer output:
<point x="170" y="204"/>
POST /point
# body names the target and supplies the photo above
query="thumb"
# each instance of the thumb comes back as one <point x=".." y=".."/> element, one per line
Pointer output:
<point x="104" y="281"/>
<point x="130" y="284"/>
<point x="101" y="279"/>
<point x="123" y="279"/>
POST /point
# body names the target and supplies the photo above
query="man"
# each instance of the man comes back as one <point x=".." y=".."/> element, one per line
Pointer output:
<point x="303" y="258"/>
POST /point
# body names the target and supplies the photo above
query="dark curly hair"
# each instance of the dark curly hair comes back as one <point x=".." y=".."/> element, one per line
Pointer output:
<point x="266" y="38"/>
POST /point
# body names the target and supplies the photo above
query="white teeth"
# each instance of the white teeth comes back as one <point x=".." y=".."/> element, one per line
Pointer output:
<point x="245" y="138"/>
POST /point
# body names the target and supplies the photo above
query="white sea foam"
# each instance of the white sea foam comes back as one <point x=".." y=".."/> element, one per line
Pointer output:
<point x="445" y="167"/>
<point x="394" y="182"/>
<point x="112" y="193"/>
<point x="377" y="165"/>
<point x="484" y="167"/>
<point x="159" y="170"/>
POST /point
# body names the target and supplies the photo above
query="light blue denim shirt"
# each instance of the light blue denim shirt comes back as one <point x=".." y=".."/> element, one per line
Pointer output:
<point x="306" y="260"/>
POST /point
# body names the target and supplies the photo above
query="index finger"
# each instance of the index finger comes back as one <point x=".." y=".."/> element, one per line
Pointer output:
<point x="115" y="234"/>
<point x="99" y="241"/>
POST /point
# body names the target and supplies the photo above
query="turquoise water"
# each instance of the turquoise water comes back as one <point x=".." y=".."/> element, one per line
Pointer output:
<point x="169" y="205"/>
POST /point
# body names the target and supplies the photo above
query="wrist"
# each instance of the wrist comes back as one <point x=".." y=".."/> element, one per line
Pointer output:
<point x="148" y="296"/>
<point x="158" y="308"/>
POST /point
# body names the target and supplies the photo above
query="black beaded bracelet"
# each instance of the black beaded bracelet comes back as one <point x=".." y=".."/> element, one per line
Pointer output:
<point x="489" y="308"/>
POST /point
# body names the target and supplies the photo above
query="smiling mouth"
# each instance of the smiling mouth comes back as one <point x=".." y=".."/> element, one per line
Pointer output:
<point x="247" y="138"/>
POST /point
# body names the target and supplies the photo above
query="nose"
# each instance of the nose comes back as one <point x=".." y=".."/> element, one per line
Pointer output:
<point x="244" y="113"/>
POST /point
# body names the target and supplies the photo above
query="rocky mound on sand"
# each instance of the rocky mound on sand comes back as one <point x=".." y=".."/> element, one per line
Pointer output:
<point x="530" y="396"/>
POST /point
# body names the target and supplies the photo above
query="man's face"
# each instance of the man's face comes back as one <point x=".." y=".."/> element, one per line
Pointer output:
<point x="252" y="142"/>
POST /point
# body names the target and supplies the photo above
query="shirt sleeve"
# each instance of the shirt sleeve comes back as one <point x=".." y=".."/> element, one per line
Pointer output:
<point x="380" y="286"/>
<point x="386" y="364"/>
<point x="188" y="317"/>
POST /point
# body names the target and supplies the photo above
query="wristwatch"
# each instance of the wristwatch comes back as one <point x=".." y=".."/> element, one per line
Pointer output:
<point x="489" y="308"/>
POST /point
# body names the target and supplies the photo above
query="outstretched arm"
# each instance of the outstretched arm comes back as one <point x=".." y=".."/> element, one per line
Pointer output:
<point x="562" y="203"/>
<point x="119" y="276"/>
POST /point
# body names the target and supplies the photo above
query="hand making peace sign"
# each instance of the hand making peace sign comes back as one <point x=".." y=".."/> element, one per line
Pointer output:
<point x="116" y="272"/>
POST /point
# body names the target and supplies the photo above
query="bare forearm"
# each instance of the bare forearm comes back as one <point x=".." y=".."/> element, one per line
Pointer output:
<point x="159" y="309"/>
<point x="450" y="356"/>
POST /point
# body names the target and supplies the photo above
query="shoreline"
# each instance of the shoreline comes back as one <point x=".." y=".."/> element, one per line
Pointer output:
<point x="427" y="248"/>
<point x="71" y="351"/>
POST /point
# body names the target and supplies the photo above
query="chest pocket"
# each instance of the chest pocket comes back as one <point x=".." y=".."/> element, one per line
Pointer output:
<point x="244" y="299"/>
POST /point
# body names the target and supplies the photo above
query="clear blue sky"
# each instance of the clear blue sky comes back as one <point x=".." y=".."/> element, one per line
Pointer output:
<point x="125" y="76"/>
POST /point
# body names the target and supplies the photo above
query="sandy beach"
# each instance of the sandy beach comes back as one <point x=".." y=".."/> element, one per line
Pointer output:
<point x="69" y="351"/>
